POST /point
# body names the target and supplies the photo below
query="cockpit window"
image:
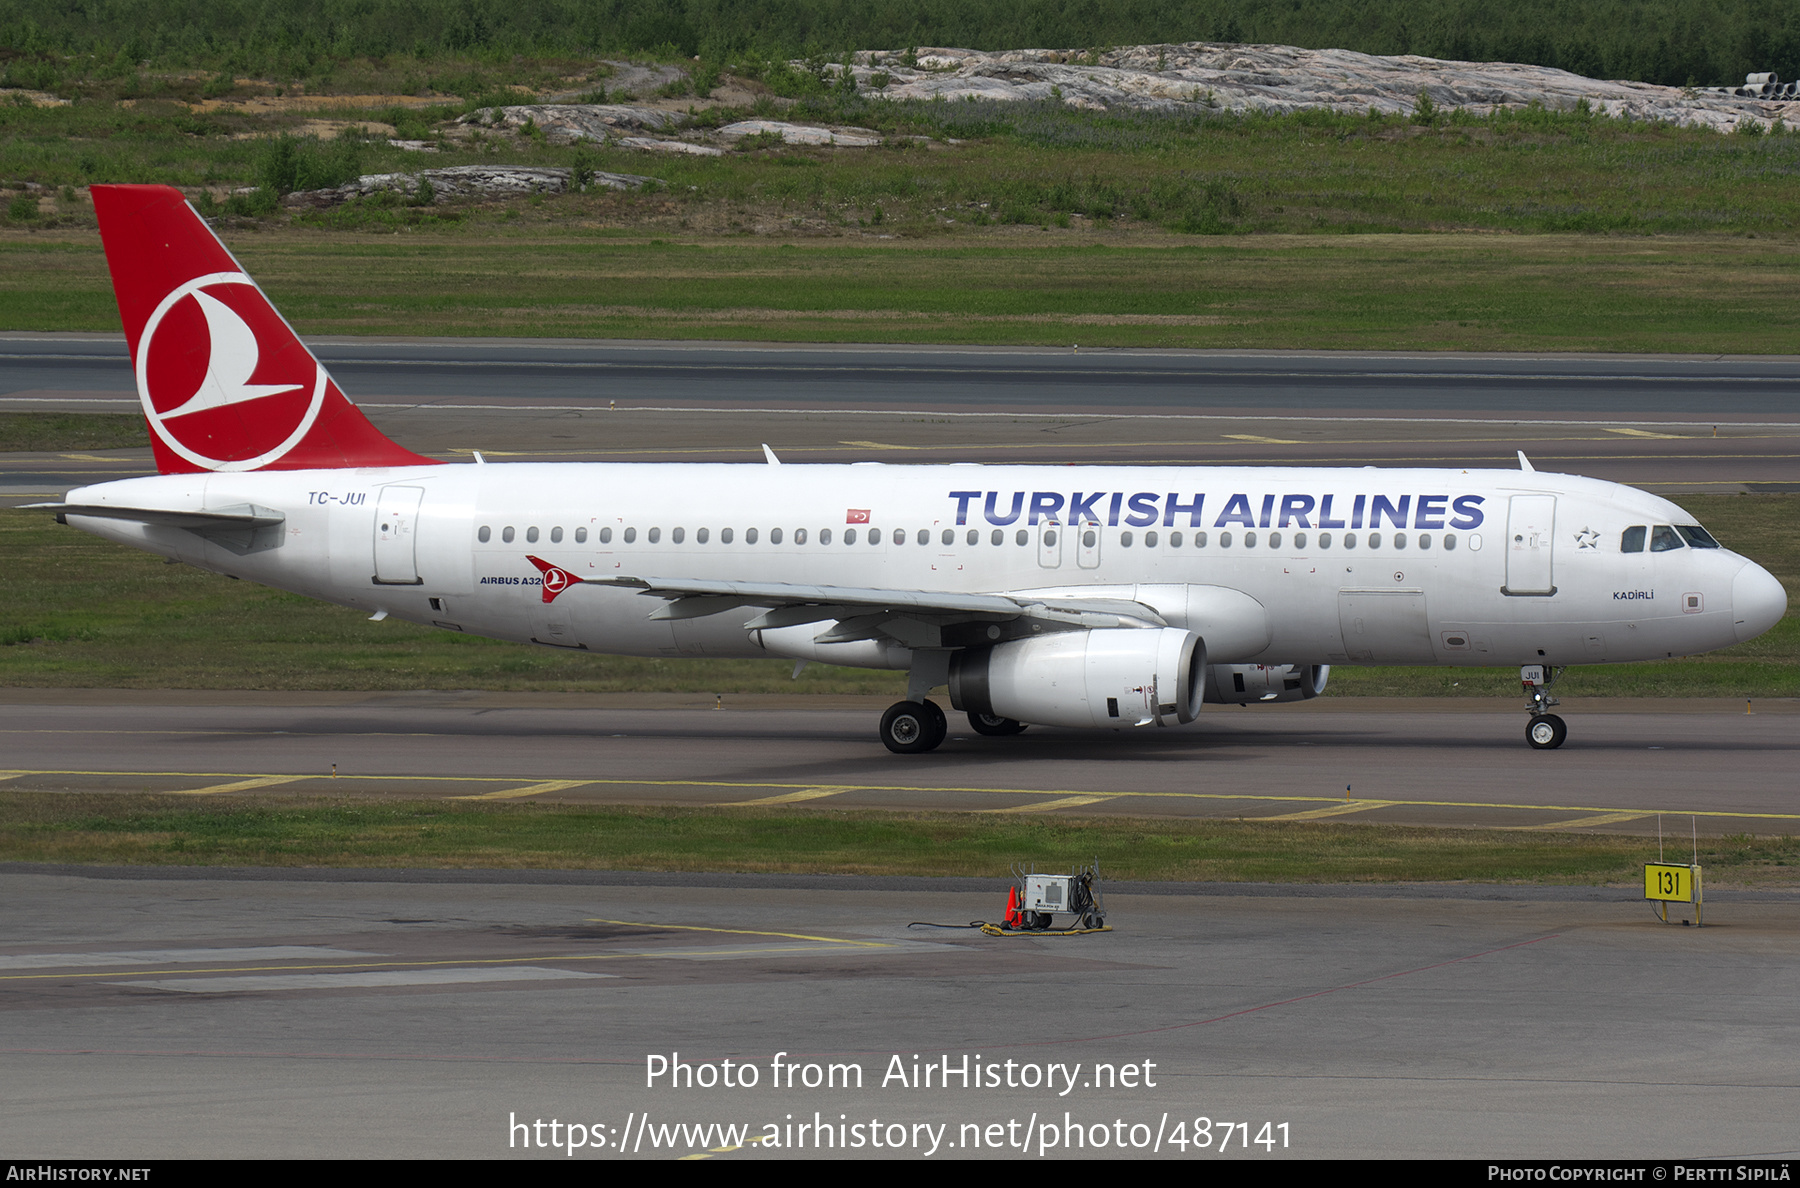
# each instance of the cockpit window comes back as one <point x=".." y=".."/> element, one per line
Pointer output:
<point x="1696" y="536"/>
<point x="1633" y="539"/>
<point x="1663" y="538"/>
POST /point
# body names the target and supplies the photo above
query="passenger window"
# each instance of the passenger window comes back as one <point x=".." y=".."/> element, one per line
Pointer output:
<point x="974" y="536"/>
<point x="774" y="536"/>
<point x="1374" y="540"/>
<point x="1124" y="540"/>
<point x="1300" y="541"/>
<point x="701" y="535"/>
<point x="1324" y="540"/>
<point x="556" y="536"/>
<point x="630" y="535"/>
<point x="874" y="536"/>
<point x="899" y="536"/>
<point x="1632" y="541"/>
<point x="677" y="534"/>
<point x="725" y="536"/>
<point x="949" y="537"/>
<point x="1349" y="540"/>
<point x="1424" y="541"/>
<point x="1249" y="540"/>
<point x="1224" y="540"/>
<point x="606" y="536"/>
<point x="1274" y="540"/>
<point x="999" y="537"/>
<point x="1449" y="542"/>
<point x="799" y="536"/>
<point x="1023" y="537"/>
<point x="749" y="536"/>
<point x="531" y="535"/>
<point x="486" y="534"/>
<point x="1199" y="540"/>
<point x="655" y="535"/>
<point x="1088" y="538"/>
<point x="1174" y="540"/>
<point x="849" y="536"/>
<point x="581" y="536"/>
<point x="506" y="534"/>
<point x="1399" y="540"/>
<point x="1663" y="538"/>
<point x="924" y="536"/>
<point x="824" y="536"/>
<point x="1149" y="540"/>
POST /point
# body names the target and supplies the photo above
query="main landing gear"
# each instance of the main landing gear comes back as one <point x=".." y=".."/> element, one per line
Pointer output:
<point x="1545" y="731"/>
<point x="913" y="727"/>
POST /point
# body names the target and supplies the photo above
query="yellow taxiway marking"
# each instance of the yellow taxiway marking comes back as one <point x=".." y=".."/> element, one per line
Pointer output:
<point x="527" y="790"/>
<point x="1336" y="810"/>
<point x="1260" y="440"/>
<point x="831" y="940"/>
<point x="747" y="785"/>
<point x="1643" y="433"/>
<point x="1044" y="806"/>
<point x="787" y="797"/>
<point x="1579" y="822"/>
<point x="879" y="445"/>
<point x="242" y="785"/>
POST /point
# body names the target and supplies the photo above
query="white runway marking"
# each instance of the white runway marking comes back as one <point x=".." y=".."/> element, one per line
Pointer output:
<point x="174" y="956"/>
<point x="359" y="981"/>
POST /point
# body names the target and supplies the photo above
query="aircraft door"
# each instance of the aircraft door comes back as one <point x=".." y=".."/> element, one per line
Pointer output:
<point x="1050" y="544"/>
<point x="1530" y="532"/>
<point x="1087" y="545"/>
<point x="396" y="536"/>
<point x="1385" y="626"/>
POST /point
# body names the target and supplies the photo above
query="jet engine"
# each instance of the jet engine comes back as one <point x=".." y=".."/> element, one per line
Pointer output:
<point x="1114" y="676"/>
<point x="1246" y="684"/>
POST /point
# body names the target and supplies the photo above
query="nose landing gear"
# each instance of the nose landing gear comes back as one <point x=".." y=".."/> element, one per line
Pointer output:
<point x="1545" y="731"/>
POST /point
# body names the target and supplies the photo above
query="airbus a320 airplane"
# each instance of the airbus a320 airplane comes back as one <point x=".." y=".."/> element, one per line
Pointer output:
<point x="1088" y="597"/>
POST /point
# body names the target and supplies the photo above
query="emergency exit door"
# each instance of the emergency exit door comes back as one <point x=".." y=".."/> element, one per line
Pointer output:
<point x="1530" y="534"/>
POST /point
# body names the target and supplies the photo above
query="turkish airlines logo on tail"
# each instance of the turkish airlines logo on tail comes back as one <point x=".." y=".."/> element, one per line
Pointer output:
<point x="556" y="579"/>
<point x="223" y="381"/>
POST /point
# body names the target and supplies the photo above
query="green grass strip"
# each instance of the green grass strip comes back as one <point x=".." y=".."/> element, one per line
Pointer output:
<point x="151" y="830"/>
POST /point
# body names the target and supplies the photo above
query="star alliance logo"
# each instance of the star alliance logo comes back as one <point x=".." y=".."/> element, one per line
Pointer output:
<point x="1587" y="538"/>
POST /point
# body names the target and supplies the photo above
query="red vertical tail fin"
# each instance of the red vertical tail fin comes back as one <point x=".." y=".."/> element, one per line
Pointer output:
<point x="225" y="382"/>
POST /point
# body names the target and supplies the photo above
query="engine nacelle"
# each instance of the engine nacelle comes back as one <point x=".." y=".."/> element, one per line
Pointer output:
<point x="1246" y="684"/>
<point x="1120" y="676"/>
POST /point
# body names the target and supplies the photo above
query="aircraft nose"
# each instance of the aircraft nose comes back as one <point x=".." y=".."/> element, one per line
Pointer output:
<point x="1757" y="601"/>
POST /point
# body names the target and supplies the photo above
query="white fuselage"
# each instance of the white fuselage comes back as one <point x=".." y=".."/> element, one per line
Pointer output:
<point x="1463" y="567"/>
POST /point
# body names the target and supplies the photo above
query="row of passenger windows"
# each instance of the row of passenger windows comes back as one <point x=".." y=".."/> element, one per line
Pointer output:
<point x="1664" y="537"/>
<point x="1021" y="537"/>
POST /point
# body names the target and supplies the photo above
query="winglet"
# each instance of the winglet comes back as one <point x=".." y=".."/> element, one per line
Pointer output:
<point x="770" y="455"/>
<point x="1525" y="463"/>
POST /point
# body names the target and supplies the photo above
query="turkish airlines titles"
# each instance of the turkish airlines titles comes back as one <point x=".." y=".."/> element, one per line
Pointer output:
<point x="1144" y="508"/>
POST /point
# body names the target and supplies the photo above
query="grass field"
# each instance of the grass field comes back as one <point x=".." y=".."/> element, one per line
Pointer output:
<point x="76" y="611"/>
<point x="1410" y="292"/>
<point x="162" y="830"/>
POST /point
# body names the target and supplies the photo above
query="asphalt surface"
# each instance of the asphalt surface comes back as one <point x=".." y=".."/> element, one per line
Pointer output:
<point x="1630" y="766"/>
<point x="380" y="1016"/>
<point x="1623" y="387"/>
<point x="1672" y="425"/>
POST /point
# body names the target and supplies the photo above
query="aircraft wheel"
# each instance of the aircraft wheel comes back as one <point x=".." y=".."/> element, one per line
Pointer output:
<point x="992" y="726"/>
<point x="940" y="726"/>
<point x="909" y="728"/>
<point x="1546" y="732"/>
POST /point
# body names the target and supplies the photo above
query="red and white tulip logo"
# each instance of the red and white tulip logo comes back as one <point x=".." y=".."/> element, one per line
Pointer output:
<point x="223" y="381"/>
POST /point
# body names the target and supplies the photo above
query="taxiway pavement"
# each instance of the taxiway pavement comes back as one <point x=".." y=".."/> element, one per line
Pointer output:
<point x="149" y="1014"/>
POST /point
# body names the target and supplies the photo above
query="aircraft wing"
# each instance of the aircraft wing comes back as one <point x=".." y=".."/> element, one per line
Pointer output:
<point x="864" y="613"/>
